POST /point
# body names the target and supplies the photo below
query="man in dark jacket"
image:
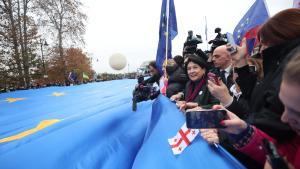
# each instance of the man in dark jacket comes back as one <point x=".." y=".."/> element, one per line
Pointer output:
<point x="222" y="61"/>
<point x="155" y="76"/>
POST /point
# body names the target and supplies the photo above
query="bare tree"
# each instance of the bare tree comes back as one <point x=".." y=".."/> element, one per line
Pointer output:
<point x="9" y="33"/>
<point x="17" y="32"/>
<point x="65" y="20"/>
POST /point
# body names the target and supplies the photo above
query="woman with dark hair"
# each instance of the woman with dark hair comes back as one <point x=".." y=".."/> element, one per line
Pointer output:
<point x="196" y="92"/>
<point x="278" y="37"/>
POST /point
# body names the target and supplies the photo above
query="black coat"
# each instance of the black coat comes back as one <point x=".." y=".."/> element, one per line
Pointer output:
<point x="204" y="99"/>
<point x="265" y="108"/>
<point x="176" y="82"/>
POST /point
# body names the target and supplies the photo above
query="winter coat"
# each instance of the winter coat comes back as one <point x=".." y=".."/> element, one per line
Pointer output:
<point x="265" y="108"/>
<point x="176" y="81"/>
<point x="289" y="149"/>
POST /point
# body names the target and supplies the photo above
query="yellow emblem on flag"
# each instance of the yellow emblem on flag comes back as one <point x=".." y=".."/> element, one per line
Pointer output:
<point x="57" y="94"/>
<point x="43" y="124"/>
<point x="11" y="100"/>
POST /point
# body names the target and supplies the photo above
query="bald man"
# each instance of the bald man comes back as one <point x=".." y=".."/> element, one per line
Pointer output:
<point x="222" y="60"/>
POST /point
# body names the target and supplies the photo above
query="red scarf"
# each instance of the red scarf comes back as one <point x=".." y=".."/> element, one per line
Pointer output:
<point x="194" y="91"/>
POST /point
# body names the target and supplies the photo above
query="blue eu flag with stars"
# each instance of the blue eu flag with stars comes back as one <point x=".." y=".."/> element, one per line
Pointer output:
<point x="249" y="24"/>
<point x="163" y="35"/>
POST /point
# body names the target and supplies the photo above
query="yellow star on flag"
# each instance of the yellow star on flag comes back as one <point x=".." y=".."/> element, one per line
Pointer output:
<point x="58" y="94"/>
<point x="43" y="124"/>
<point x="11" y="100"/>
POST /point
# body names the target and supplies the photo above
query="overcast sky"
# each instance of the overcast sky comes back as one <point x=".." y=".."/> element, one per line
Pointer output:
<point x="131" y="27"/>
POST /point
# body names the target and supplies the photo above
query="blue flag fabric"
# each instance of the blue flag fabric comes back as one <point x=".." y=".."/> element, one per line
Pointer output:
<point x="163" y="36"/>
<point x="156" y="152"/>
<point x="249" y="24"/>
<point x="96" y="128"/>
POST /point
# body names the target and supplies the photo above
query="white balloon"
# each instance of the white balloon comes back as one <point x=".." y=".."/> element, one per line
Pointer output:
<point x="117" y="61"/>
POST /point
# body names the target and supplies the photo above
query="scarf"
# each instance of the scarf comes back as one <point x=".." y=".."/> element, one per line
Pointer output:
<point x="194" y="89"/>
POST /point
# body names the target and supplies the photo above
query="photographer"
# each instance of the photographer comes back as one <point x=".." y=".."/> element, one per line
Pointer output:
<point x="144" y="90"/>
<point x="249" y="139"/>
<point x="155" y="76"/>
<point x="219" y="40"/>
<point x="190" y="46"/>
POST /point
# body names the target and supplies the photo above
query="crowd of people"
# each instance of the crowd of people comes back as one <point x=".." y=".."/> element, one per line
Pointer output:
<point x="260" y="93"/>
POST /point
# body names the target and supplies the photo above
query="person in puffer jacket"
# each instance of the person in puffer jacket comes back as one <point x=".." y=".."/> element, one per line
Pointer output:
<point x="177" y="78"/>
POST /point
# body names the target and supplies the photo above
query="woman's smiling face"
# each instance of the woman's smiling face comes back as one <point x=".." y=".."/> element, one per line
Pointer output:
<point x="195" y="72"/>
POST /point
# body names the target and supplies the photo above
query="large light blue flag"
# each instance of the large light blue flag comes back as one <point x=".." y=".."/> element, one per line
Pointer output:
<point x="92" y="126"/>
<point x="156" y="152"/>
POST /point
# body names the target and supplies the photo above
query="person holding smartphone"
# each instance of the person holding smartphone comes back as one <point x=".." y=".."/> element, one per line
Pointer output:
<point x="196" y="92"/>
<point x="278" y="36"/>
<point x="250" y="140"/>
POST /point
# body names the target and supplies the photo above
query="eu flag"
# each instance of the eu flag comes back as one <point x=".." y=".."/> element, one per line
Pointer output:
<point x="249" y="24"/>
<point x="165" y="35"/>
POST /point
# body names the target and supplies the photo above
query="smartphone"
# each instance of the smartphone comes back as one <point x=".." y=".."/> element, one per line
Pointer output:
<point x="273" y="157"/>
<point x="205" y="119"/>
<point x="232" y="49"/>
<point x="213" y="77"/>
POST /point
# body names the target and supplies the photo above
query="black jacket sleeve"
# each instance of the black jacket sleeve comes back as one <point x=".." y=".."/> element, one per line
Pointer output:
<point x="246" y="81"/>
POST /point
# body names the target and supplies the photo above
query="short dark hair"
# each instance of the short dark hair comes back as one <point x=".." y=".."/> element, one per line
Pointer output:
<point x="196" y="59"/>
<point x="179" y="60"/>
<point x="291" y="73"/>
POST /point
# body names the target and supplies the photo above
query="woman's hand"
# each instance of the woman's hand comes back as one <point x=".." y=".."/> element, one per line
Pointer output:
<point x="210" y="135"/>
<point x="239" y="58"/>
<point x="220" y="92"/>
<point x="198" y="108"/>
<point x="183" y="105"/>
<point x="176" y="97"/>
<point x="234" y="125"/>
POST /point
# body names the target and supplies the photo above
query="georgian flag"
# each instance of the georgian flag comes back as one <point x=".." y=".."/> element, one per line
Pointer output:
<point x="183" y="138"/>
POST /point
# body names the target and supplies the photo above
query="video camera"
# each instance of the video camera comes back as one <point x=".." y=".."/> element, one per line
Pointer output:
<point x="220" y="39"/>
<point x="143" y="92"/>
<point x="190" y="45"/>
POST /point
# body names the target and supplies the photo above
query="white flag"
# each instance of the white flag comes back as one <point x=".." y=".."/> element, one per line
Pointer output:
<point x="183" y="138"/>
<point x="296" y="4"/>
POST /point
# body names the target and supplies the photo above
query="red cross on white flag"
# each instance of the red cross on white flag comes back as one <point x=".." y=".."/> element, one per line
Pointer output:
<point x="183" y="138"/>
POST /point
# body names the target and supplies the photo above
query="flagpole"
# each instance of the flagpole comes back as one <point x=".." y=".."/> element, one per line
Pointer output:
<point x="206" y="33"/>
<point x="167" y="30"/>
